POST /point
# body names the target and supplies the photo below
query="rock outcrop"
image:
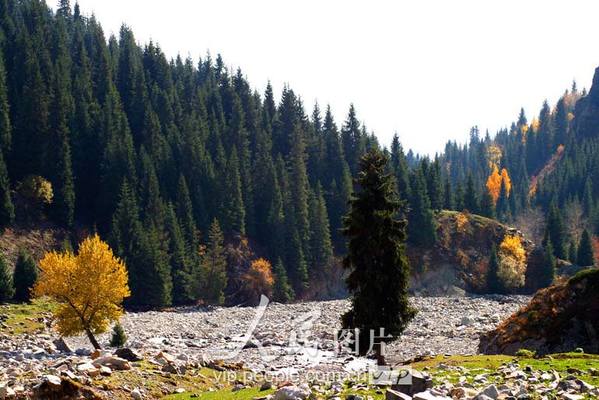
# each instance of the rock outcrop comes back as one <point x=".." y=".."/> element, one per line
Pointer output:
<point x="560" y="318"/>
<point x="458" y="262"/>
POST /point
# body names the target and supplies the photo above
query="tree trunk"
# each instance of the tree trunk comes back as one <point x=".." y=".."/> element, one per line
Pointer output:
<point x="378" y="351"/>
<point x="93" y="340"/>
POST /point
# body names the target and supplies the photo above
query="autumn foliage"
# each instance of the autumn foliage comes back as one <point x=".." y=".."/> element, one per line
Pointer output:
<point x="89" y="287"/>
<point x="258" y="280"/>
<point x="512" y="262"/>
<point x="496" y="179"/>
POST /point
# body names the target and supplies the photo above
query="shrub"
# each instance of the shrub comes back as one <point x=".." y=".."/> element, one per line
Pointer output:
<point x="526" y="353"/>
<point x="119" y="338"/>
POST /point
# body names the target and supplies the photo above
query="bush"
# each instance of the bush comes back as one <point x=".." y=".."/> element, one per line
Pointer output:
<point x="526" y="353"/>
<point x="119" y="338"/>
<point x="6" y="286"/>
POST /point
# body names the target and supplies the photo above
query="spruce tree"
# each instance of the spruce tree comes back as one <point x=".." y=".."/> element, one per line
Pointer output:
<point x="494" y="284"/>
<point x="59" y="149"/>
<point x="321" y="249"/>
<point x="503" y="205"/>
<point x="487" y="208"/>
<point x="471" y="202"/>
<point x="181" y="264"/>
<point x="233" y="213"/>
<point x="572" y="253"/>
<point x="448" y="198"/>
<point x="119" y="338"/>
<point x="7" y="289"/>
<point x="184" y="212"/>
<point x="214" y="267"/>
<point x="556" y="232"/>
<point x="585" y="256"/>
<point x="281" y="291"/>
<point x="547" y="272"/>
<point x="379" y="272"/>
<point x="422" y="229"/>
<point x="5" y="125"/>
<point x="400" y="168"/>
<point x="7" y="209"/>
<point x="24" y="276"/>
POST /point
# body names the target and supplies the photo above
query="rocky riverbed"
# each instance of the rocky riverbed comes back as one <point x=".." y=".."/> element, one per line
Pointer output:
<point x="293" y="346"/>
<point x="302" y="336"/>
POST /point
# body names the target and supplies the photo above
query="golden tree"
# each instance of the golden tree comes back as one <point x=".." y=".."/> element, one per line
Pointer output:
<point x="89" y="287"/>
<point x="258" y="280"/>
<point x="507" y="182"/>
<point x="494" y="183"/>
<point x="495" y="180"/>
<point x="512" y="262"/>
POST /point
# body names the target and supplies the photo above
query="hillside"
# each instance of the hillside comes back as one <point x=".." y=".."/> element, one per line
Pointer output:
<point x="560" y="318"/>
<point x="459" y="260"/>
<point x="36" y="240"/>
<point x="165" y="158"/>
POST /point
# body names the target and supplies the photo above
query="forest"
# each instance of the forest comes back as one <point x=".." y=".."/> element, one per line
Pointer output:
<point x="207" y="187"/>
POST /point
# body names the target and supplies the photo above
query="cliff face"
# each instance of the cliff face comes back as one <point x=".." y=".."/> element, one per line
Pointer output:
<point x="560" y="318"/>
<point x="459" y="260"/>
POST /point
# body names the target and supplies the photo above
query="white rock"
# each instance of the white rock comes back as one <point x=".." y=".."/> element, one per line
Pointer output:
<point x="291" y="393"/>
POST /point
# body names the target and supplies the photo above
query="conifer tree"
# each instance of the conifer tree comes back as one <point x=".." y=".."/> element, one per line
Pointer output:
<point x="487" y="208"/>
<point x="378" y="268"/>
<point x="471" y="202"/>
<point x="460" y="197"/>
<point x="422" y="228"/>
<point x="547" y="273"/>
<point x="556" y="232"/>
<point x="181" y="264"/>
<point x="299" y="191"/>
<point x="59" y="149"/>
<point x="184" y="212"/>
<point x="6" y="284"/>
<point x="448" y="198"/>
<point x="399" y="166"/>
<point x="352" y="140"/>
<point x="24" y="276"/>
<point x="5" y="124"/>
<point x="494" y="284"/>
<point x="572" y="253"/>
<point x="7" y="209"/>
<point x="214" y="267"/>
<point x="503" y="206"/>
<point x="282" y="291"/>
<point x="233" y="214"/>
<point x="321" y="249"/>
<point x="585" y="256"/>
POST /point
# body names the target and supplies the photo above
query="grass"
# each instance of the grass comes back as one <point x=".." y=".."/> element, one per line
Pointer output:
<point x="225" y="394"/>
<point x="25" y="318"/>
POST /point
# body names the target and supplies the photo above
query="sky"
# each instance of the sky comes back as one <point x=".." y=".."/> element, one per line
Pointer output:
<point x="428" y="70"/>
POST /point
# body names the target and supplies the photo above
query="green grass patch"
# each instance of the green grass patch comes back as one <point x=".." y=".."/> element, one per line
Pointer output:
<point x="224" y="394"/>
<point x="26" y="317"/>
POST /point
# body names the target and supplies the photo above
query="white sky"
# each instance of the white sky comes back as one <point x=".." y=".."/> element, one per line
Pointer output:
<point x="426" y="69"/>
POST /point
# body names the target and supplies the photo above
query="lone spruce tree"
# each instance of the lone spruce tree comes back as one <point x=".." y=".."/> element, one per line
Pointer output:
<point x="378" y="268"/>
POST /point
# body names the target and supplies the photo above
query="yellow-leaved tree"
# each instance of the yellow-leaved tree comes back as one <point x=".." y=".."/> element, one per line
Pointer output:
<point x="258" y="280"/>
<point x="494" y="183"/>
<point x="89" y="287"/>
<point x="495" y="180"/>
<point x="512" y="262"/>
